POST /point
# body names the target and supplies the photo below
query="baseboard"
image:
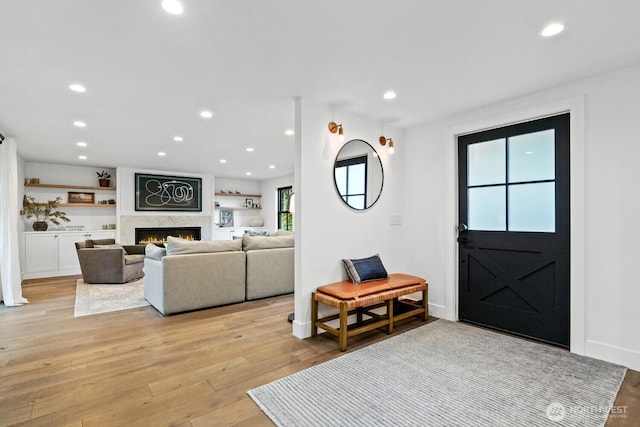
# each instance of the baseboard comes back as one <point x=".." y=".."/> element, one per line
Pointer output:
<point x="437" y="310"/>
<point x="301" y="330"/>
<point x="614" y="354"/>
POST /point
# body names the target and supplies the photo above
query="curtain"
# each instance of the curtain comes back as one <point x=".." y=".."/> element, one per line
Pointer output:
<point x="11" y="287"/>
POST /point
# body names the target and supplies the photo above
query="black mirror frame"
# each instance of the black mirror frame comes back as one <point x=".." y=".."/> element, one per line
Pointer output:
<point x="335" y="184"/>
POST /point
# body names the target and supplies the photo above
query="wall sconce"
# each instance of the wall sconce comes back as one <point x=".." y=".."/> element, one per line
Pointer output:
<point x="333" y="128"/>
<point x="383" y="142"/>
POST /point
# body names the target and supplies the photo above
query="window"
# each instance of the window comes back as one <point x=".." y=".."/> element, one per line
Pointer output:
<point x="351" y="181"/>
<point x="285" y="214"/>
<point x="511" y="183"/>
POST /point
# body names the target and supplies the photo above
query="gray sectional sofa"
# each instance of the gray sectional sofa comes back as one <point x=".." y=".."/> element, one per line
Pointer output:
<point x="190" y="275"/>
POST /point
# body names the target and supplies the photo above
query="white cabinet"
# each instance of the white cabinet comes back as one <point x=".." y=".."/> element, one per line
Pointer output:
<point x="53" y="253"/>
<point x="41" y="253"/>
<point x="228" y="233"/>
<point x="222" y="234"/>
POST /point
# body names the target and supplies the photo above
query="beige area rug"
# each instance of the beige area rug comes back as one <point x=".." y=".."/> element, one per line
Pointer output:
<point x="96" y="298"/>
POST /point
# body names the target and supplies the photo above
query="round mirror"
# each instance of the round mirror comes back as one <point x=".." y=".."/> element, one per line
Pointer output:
<point x="358" y="175"/>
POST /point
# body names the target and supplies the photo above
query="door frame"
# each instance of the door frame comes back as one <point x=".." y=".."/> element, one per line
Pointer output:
<point x="578" y="277"/>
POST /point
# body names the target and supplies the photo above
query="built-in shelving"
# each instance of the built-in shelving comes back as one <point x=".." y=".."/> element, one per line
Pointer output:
<point x="238" y="208"/>
<point x="238" y="195"/>
<point x="83" y="205"/>
<point x="77" y="187"/>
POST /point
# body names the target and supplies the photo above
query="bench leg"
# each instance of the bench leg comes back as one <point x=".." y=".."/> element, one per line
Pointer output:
<point x="342" y="335"/>
<point x="425" y="304"/>
<point x="314" y="315"/>
<point x="390" y="303"/>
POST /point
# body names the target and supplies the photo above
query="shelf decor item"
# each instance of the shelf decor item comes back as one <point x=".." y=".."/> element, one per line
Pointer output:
<point x="88" y="198"/>
<point x="103" y="178"/>
<point x="42" y="212"/>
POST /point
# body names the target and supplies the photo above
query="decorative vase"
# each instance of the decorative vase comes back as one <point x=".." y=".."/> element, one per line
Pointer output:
<point x="104" y="182"/>
<point x="40" y="226"/>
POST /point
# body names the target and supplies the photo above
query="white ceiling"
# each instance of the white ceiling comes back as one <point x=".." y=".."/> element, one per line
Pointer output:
<point x="148" y="73"/>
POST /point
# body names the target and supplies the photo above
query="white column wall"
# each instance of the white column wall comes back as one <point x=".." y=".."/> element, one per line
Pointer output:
<point x="326" y="229"/>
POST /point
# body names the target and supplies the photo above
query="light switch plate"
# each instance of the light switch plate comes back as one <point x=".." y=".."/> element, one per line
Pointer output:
<point x="396" y="220"/>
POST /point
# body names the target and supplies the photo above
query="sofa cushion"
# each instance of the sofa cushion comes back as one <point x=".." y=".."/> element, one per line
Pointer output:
<point x="89" y="243"/>
<point x="281" y="233"/>
<point x="154" y="252"/>
<point x="133" y="259"/>
<point x="112" y="246"/>
<point x="252" y="243"/>
<point x="365" y="269"/>
<point x="177" y="246"/>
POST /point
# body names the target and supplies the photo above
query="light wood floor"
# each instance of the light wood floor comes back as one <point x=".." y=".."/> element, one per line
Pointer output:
<point x="135" y="367"/>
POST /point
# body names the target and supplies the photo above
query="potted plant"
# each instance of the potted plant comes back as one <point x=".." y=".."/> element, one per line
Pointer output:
<point x="42" y="212"/>
<point x="103" y="178"/>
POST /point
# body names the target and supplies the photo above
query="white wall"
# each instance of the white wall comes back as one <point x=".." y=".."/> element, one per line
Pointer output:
<point x="326" y="229"/>
<point x="603" y="246"/>
<point x="269" y="191"/>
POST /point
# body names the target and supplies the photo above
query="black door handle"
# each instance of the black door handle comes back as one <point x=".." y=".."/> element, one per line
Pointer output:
<point x="463" y="239"/>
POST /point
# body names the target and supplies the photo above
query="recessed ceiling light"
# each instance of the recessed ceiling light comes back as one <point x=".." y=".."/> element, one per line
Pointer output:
<point x="81" y="144"/>
<point x="250" y="149"/>
<point x="79" y="124"/>
<point x="248" y="173"/>
<point x="272" y="166"/>
<point x="289" y="132"/>
<point x="178" y="138"/>
<point x="206" y="114"/>
<point x="76" y="87"/>
<point x="161" y="153"/>
<point x="82" y="157"/>
<point x="389" y="95"/>
<point x="173" y="7"/>
<point x="223" y="161"/>
<point x="552" y="29"/>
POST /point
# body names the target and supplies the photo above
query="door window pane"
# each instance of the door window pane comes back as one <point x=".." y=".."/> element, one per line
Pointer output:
<point x="486" y="163"/>
<point x="532" y="207"/>
<point x="487" y="208"/>
<point x="532" y="156"/>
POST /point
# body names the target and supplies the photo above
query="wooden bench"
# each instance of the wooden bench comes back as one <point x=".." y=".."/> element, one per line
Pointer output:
<point x="361" y="299"/>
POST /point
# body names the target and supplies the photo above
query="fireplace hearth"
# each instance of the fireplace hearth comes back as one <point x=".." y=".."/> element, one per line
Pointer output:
<point x="158" y="235"/>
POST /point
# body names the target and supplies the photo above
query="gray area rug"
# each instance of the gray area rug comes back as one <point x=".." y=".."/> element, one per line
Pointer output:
<point x="446" y="374"/>
<point x="97" y="298"/>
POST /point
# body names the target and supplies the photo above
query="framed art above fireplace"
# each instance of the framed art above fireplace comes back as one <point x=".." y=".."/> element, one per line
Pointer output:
<point x="168" y="193"/>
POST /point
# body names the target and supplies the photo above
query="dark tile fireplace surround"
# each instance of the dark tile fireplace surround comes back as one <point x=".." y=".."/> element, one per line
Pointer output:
<point x="158" y="235"/>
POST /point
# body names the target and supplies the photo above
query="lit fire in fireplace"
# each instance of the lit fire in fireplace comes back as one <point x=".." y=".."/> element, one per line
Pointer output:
<point x="158" y="236"/>
<point x="155" y="240"/>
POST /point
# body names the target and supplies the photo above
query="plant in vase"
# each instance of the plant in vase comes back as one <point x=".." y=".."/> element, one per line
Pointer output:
<point x="103" y="178"/>
<point x="42" y="212"/>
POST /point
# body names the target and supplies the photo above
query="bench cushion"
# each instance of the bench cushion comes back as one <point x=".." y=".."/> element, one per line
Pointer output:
<point x="347" y="290"/>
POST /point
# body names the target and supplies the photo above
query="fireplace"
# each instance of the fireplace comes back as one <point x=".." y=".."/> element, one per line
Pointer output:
<point x="158" y="235"/>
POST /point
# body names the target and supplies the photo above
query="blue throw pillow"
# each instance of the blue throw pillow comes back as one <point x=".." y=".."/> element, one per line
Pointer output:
<point x="365" y="269"/>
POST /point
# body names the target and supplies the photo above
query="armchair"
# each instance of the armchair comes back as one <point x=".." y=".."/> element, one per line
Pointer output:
<point x="110" y="265"/>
